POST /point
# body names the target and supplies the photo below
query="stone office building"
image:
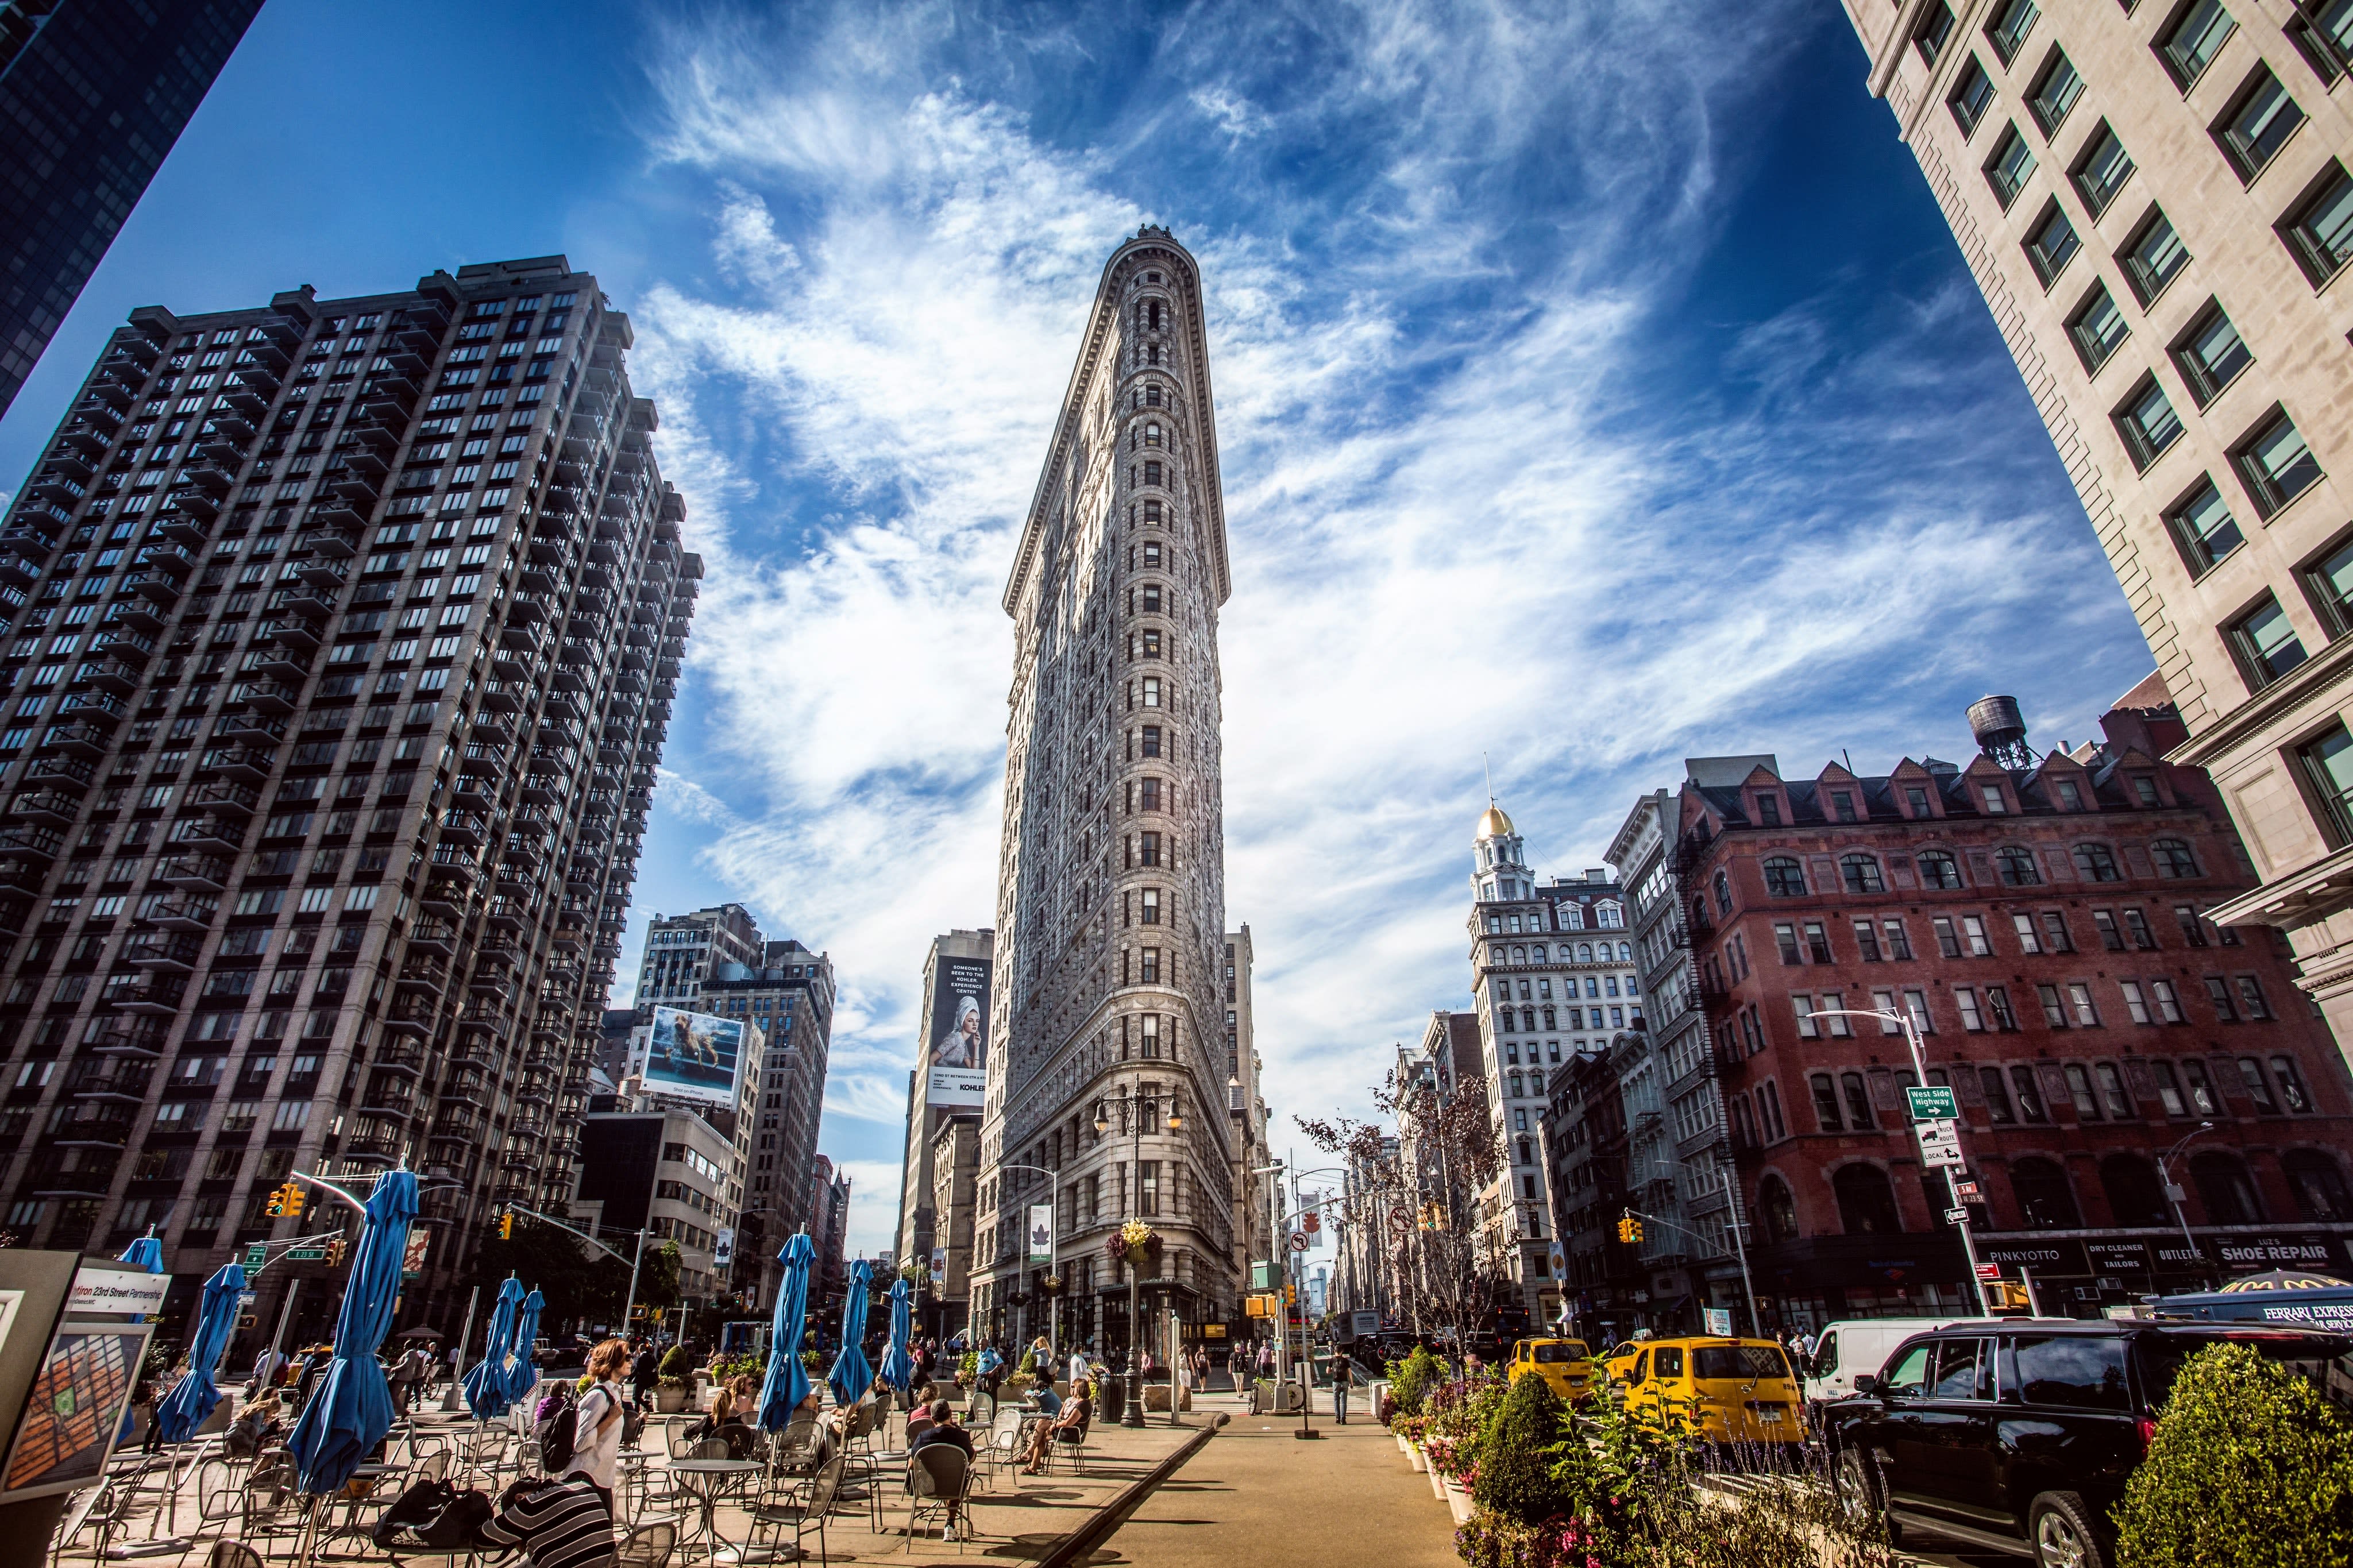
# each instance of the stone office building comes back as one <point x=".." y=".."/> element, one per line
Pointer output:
<point x="1106" y="1088"/>
<point x="2049" y="925"/>
<point x="2157" y="201"/>
<point x="341" y="639"/>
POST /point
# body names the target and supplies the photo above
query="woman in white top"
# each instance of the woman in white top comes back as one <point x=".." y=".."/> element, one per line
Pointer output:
<point x="598" y="1423"/>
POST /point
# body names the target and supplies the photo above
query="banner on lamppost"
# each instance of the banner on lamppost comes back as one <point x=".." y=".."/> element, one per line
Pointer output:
<point x="1041" y="1233"/>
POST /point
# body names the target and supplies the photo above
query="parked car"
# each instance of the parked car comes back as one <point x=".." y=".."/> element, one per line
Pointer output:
<point x="1564" y="1365"/>
<point x="2019" y="1434"/>
<point x="1853" y="1345"/>
<point x="1718" y="1390"/>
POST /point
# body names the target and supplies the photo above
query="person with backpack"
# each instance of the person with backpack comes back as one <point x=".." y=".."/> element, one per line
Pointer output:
<point x="564" y="1523"/>
<point x="598" y="1423"/>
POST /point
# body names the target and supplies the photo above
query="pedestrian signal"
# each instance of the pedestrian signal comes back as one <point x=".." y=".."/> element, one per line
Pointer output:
<point x="506" y="1225"/>
<point x="2002" y="1296"/>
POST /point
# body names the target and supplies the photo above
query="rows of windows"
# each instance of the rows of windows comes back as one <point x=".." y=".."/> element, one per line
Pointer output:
<point x="1607" y="915"/>
<point x="2271" y="457"/>
<point x="2061" y="1005"/>
<point x="2014" y="866"/>
<point x="1887" y="939"/>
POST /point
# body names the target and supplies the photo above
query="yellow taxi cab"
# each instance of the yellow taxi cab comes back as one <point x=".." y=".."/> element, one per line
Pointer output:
<point x="1566" y="1364"/>
<point x="1718" y="1390"/>
<point x="1618" y="1363"/>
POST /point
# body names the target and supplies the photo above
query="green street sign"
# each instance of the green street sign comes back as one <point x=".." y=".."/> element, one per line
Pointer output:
<point x="306" y="1255"/>
<point x="1934" y="1103"/>
<point x="255" y="1254"/>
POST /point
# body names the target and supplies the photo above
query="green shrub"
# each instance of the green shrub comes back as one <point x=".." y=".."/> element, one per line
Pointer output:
<point x="676" y="1362"/>
<point x="2249" y="1465"/>
<point x="1515" y="1477"/>
<point x="1410" y="1380"/>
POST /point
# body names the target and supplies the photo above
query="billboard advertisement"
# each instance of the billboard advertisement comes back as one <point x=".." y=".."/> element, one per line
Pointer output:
<point x="694" y="1055"/>
<point x="957" y="1059"/>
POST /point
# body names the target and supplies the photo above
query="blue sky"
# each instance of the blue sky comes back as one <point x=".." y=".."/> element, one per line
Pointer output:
<point x="1596" y="383"/>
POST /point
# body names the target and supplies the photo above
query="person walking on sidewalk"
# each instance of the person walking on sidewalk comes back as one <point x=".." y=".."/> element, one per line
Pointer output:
<point x="1343" y="1373"/>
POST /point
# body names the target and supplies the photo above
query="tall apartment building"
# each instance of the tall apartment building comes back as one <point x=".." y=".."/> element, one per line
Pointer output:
<point x="94" y="94"/>
<point x="1107" y="1014"/>
<point x="1533" y="1000"/>
<point x="2053" y="927"/>
<point x="341" y="639"/>
<point x="956" y="973"/>
<point x="715" y="961"/>
<point x="682" y="950"/>
<point x="1246" y="1110"/>
<point x="2154" y="201"/>
<point x="1677" y="1162"/>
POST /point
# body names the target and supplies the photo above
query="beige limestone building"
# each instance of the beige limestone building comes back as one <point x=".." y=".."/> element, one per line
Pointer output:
<point x="1107" y="1082"/>
<point x="2154" y="197"/>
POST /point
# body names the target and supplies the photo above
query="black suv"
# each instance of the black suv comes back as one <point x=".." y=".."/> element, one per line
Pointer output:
<point x="2020" y="1435"/>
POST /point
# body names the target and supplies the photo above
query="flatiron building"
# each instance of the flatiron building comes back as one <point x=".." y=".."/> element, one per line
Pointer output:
<point x="341" y="639"/>
<point x="1107" y="1080"/>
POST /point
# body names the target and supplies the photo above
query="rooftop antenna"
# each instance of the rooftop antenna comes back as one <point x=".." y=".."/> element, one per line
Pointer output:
<point x="1490" y="768"/>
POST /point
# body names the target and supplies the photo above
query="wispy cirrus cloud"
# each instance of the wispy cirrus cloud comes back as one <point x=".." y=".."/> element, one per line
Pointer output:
<point x="1509" y="468"/>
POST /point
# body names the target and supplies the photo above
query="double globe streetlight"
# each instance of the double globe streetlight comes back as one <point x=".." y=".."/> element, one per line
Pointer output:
<point x="1135" y="1103"/>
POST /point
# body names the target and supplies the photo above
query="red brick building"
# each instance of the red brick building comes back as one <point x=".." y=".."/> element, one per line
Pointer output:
<point x="2042" y="920"/>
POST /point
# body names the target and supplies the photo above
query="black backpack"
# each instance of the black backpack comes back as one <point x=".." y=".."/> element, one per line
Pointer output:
<point x="436" y="1516"/>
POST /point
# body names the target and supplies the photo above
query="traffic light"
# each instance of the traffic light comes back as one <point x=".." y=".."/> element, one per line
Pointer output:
<point x="506" y="1225"/>
<point x="1291" y="1295"/>
<point x="1630" y="1229"/>
<point x="335" y="1246"/>
<point x="276" y="1205"/>
<point x="293" y="1196"/>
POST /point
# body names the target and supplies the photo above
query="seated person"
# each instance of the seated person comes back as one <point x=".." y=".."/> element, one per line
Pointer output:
<point x="254" y="1428"/>
<point x="1074" y="1414"/>
<point x="943" y="1428"/>
<point x="559" y="1524"/>
<point x="1048" y="1400"/>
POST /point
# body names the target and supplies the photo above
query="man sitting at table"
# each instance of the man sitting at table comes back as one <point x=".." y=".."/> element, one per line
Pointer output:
<point x="943" y="1429"/>
<point x="1047" y="1400"/>
<point x="1073" y="1417"/>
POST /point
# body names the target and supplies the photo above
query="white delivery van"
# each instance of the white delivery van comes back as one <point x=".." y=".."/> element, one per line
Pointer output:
<point x="1854" y="1345"/>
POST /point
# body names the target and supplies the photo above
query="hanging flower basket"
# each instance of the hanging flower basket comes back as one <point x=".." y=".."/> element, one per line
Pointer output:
<point x="1135" y="1243"/>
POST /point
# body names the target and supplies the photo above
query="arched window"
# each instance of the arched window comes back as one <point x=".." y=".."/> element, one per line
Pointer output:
<point x="2173" y="858"/>
<point x="2045" y="1202"/>
<point x="2015" y="866"/>
<point x="1939" y="869"/>
<point x="1625" y="953"/>
<point x="2097" y="863"/>
<point x="1722" y="893"/>
<point x="1784" y="878"/>
<point x="1860" y="874"/>
<point x="1519" y="955"/>
<point x="2136" y="1197"/>
<point x="2228" y="1192"/>
<point x="1583" y="952"/>
<point x="2318" y="1184"/>
<point x="1540" y="951"/>
<point x="1152" y="434"/>
<point x="1777" y="1209"/>
<point x="1866" y="1202"/>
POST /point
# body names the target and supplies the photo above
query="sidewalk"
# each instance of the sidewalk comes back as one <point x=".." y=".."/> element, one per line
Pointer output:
<point x="1021" y="1517"/>
<point x="1255" y="1493"/>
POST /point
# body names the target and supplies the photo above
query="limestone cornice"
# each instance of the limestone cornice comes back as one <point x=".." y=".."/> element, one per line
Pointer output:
<point x="2308" y="893"/>
<point x="1153" y="244"/>
<point x="2315" y="682"/>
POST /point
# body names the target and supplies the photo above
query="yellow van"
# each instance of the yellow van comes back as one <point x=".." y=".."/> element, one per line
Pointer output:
<point x="1718" y="1390"/>
<point x="1566" y="1364"/>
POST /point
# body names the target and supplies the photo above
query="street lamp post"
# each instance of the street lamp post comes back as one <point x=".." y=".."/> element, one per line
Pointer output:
<point x="1920" y="1070"/>
<point x="1136" y="1101"/>
<point x="2174" y="1195"/>
<point x="1053" y="1250"/>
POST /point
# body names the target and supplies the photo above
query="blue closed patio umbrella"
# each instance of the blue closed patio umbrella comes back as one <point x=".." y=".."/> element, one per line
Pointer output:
<point x="352" y="1409"/>
<point x="788" y="1383"/>
<point x="852" y="1375"/>
<point x="521" y="1372"/>
<point x="145" y="1254"/>
<point x="182" y="1410"/>
<point x="486" y="1384"/>
<point x="898" y="1366"/>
